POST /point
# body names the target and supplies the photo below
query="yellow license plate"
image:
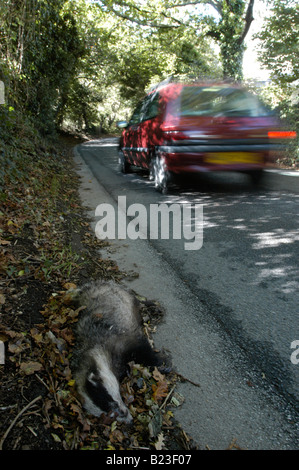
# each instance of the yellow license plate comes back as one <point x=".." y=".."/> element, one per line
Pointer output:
<point x="227" y="158"/>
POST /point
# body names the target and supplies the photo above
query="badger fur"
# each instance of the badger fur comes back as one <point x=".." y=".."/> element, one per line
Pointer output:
<point x="109" y="335"/>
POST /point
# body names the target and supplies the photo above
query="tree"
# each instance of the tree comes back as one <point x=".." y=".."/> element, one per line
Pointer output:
<point x="236" y="17"/>
<point x="39" y="56"/>
<point x="279" y="37"/>
<point x="228" y="25"/>
<point x="123" y="60"/>
<point x="279" y="52"/>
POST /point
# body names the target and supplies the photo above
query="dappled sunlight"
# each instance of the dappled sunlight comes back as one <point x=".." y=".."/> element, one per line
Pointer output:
<point x="279" y="268"/>
<point x="290" y="287"/>
<point x="107" y="142"/>
<point x="273" y="239"/>
<point x="255" y="228"/>
<point x="239" y="225"/>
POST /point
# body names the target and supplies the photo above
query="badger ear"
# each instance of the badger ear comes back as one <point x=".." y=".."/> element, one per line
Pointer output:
<point x="92" y="378"/>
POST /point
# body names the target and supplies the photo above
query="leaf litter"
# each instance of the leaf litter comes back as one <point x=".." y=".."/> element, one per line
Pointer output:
<point x="46" y="249"/>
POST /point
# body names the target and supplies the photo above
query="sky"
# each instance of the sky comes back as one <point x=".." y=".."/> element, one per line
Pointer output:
<point x="251" y="66"/>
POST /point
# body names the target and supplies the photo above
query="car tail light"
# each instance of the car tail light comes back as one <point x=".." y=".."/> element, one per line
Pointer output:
<point x="282" y="134"/>
<point x="175" y="135"/>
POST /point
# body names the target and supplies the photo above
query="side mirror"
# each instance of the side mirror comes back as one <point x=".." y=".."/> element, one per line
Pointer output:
<point x="122" y="124"/>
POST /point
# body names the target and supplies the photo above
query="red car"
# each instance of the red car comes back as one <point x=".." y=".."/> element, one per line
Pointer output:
<point x="179" y="128"/>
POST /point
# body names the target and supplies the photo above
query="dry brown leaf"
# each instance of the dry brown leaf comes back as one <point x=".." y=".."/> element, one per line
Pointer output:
<point x="4" y="242"/>
<point x="160" y="391"/>
<point x="69" y="285"/>
<point x="158" y="376"/>
<point x="29" y="368"/>
<point x="36" y="335"/>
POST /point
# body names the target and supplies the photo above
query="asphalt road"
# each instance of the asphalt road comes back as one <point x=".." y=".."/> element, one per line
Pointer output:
<point x="231" y="307"/>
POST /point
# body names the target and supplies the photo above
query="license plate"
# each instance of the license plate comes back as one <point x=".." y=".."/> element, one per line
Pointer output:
<point x="227" y="158"/>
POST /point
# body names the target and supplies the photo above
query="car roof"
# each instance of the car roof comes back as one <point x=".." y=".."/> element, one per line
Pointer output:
<point x="167" y="88"/>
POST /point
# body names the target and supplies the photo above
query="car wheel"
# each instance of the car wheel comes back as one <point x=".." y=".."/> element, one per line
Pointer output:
<point x="161" y="175"/>
<point x="123" y="163"/>
<point x="151" y="175"/>
<point x="256" y="177"/>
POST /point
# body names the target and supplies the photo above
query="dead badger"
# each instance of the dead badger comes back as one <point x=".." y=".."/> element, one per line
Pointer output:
<point x="109" y="335"/>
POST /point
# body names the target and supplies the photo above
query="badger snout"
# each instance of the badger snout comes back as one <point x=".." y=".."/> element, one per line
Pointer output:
<point x="124" y="417"/>
<point x="121" y="413"/>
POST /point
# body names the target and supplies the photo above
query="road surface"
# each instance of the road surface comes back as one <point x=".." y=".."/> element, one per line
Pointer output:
<point x="231" y="306"/>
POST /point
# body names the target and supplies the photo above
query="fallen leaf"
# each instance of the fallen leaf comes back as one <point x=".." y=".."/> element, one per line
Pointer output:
<point x="81" y="418"/>
<point x="160" y="442"/>
<point x="29" y="368"/>
<point x="18" y="346"/>
<point x="4" y="242"/>
<point x="157" y="375"/>
<point x="155" y="424"/>
<point x="177" y="399"/>
<point x="36" y="335"/>
<point x="116" y="436"/>
<point x="69" y="285"/>
<point x="160" y="390"/>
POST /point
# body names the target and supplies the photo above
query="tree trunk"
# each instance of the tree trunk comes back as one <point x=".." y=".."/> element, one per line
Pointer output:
<point x="232" y="60"/>
<point x="230" y="34"/>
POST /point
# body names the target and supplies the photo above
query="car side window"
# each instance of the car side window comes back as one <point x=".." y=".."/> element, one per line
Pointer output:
<point x="135" y="119"/>
<point x="148" y="108"/>
<point x="152" y="108"/>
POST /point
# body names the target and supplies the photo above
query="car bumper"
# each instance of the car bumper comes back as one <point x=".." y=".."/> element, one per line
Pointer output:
<point x="200" y="158"/>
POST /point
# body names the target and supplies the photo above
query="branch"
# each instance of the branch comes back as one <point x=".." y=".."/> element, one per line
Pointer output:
<point x="16" y="419"/>
<point x="214" y="3"/>
<point x="139" y="21"/>
<point x="184" y="4"/>
<point x="217" y="5"/>
<point x="180" y="23"/>
<point x="248" y="20"/>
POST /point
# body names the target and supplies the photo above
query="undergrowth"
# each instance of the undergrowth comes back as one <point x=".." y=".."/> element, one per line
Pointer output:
<point x="46" y="248"/>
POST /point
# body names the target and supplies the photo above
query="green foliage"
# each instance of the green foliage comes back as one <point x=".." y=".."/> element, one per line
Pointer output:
<point x="85" y="64"/>
<point x="279" y="52"/>
<point x="63" y="60"/>
<point x="39" y="56"/>
<point x="17" y="137"/>
<point x="124" y="58"/>
<point x="228" y="24"/>
<point x="280" y="41"/>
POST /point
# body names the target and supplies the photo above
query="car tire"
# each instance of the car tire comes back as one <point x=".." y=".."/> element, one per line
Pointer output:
<point x="161" y="175"/>
<point x="124" y="166"/>
<point x="256" y="177"/>
<point x="151" y="175"/>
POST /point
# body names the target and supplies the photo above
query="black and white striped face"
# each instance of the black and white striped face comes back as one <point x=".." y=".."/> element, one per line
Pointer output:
<point x="102" y="394"/>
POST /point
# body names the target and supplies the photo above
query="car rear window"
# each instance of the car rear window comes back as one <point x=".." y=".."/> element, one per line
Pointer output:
<point x="218" y="101"/>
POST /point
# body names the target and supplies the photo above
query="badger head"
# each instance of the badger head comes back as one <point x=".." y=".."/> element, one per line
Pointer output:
<point x="100" y="390"/>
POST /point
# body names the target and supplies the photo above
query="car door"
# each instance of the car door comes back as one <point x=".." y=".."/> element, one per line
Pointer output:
<point x="130" y="137"/>
<point x="145" y="131"/>
<point x="139" y="137"/>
